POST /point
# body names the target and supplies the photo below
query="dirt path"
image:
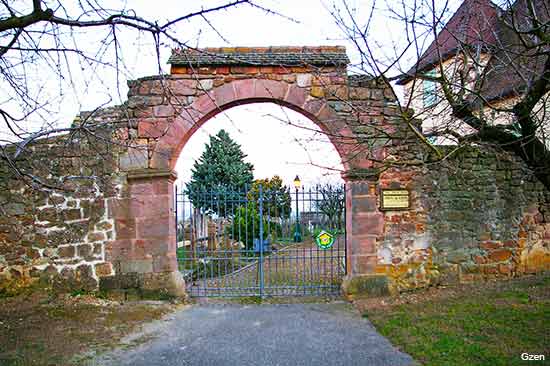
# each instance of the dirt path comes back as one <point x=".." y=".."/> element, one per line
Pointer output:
<point x="41" y="330"/>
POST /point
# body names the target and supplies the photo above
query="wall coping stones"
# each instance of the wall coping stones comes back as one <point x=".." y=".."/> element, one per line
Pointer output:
<point x="367" y="174"/>
<point x="261" y="56"/>
<point x="152" y="173"/>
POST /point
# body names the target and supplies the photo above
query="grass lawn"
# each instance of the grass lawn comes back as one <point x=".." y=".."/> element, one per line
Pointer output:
<point x="484" y="324"/>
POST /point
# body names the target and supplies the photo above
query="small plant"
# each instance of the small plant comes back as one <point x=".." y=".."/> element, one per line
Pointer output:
<point x="79" y="292"/>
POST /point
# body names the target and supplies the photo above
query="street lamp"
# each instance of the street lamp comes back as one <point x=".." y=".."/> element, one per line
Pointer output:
<point x="297" y="234"/>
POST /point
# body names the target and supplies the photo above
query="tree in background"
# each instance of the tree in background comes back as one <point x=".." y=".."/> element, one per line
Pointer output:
<point x="276" y="196"/>
<point x="331" y="203"/>
<point x="220" y="176"/>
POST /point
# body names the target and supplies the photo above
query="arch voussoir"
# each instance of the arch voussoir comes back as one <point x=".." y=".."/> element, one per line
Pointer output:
<point x="271" y="89"/>
<point x="245" y="89"/>
<point x="224" y="94"/>
<point x="296" y="96"/>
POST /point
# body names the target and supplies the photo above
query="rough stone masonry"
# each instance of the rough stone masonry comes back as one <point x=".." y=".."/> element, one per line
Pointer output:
<point x="479" y="214"/>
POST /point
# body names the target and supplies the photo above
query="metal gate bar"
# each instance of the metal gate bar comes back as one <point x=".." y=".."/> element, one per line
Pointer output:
<point x="250" y="242"/>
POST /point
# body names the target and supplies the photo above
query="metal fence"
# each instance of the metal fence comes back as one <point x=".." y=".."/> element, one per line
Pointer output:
<point x="261" y="242"/>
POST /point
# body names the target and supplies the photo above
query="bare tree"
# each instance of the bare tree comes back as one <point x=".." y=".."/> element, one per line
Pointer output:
<point x="49" y="49"/>
<point x="480" y="74"/>
<point x="331" y="203"/>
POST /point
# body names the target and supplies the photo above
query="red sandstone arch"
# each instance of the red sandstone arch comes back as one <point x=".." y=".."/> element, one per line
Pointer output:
<point x="239" y="92"/>
<point x="168" y="110"/>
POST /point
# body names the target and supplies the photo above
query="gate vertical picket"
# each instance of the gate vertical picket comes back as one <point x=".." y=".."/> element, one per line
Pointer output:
<point x="226" y="253"/>
<point x="261" y="242"/>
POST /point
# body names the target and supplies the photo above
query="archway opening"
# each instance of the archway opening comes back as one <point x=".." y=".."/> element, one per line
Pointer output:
<point x="286" y="238"/>
<point x="276" y="139"/>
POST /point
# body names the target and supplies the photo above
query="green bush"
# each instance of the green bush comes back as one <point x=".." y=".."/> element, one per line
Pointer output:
<point x="181" y="253"/>
<point x="245" y="226"/>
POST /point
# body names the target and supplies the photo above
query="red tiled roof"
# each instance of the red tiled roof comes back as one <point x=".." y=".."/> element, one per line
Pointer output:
<point x="513" y="67"/>
<point x="474" y="24"/>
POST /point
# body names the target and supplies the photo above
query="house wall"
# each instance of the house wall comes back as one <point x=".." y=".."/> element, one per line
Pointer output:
<point x="437" y="117"/>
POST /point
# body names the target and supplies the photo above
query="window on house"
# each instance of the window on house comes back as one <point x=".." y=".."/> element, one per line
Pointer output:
<point x="430" y="90"/>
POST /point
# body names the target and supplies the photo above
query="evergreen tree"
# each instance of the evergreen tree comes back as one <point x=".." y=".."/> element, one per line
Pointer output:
<point x="219" y="174"/>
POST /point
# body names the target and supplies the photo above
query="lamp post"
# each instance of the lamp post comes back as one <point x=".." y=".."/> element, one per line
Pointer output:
<point x="297" y="234"/>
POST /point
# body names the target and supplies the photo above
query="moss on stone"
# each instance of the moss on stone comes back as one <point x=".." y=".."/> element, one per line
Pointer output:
<point x="366" y="286"/>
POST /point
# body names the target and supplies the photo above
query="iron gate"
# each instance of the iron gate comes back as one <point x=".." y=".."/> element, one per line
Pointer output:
<point x="261" y="242"/>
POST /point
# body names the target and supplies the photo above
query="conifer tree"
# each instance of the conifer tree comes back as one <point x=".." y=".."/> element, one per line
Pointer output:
<point x="220" y="171"/>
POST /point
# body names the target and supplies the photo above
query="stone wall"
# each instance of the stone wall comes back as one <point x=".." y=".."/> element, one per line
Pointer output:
<point x="62" y="229"/>
<point x="477" y="215"/>
<point x="111" y="219"/>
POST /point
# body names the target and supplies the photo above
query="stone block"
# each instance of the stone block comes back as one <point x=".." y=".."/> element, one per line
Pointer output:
<point x="203" y="105"/>
<point x="125" y="228"/>
<point x="368" y="224"/>
<point x="317" y="92"/>
<point x="337" y="92"/>
<point x="71" y="214"/>
<point x="153" y="128"/>
<point x="50" y="214"/>
<point x="170" y="283"/>
<point x="120" y="281"/>
<point x="457" y="256"/>
<point x="163" y="111"/>
<point x="103" y="269"/>
<point x="134" y="158"/>
<point x="183" y="87"/>
<point x="66" y="251"/>
<point x="295" y="96"/>
<point x="84" y="250"/>
<point x="84" y="275"/>
<point x="365" y="204"/>
<point x="363" y="264"/>
<point x="136" y="265"/>
<point x="270" y="89"/>
<point x="165" y="263"/>
<point x="500" y="255"/>
<point x="98" y="236"/>
<point x="224" y="94"/>
<point x="363" y="245"/>
<point x="155" y="227"/>
<point x="303" y="80"/>
<point x="14" y="208"/>
<point x="366" y="286"/>
<point x="244" y="89"/>
<point x="314" y="106"/>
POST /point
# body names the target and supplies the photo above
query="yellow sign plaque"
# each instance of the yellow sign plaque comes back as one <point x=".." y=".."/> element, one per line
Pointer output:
<point x="395" y="199"/>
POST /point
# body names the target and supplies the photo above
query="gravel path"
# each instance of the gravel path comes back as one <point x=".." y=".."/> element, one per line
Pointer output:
<point x="301" y="269"/>
<point x="276" y="334"/>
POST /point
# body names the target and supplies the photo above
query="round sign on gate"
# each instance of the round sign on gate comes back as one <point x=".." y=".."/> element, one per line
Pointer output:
<point x="324" y="240"/>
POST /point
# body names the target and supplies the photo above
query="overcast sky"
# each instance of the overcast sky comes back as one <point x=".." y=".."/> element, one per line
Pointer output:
<point x="272" y="147"/>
